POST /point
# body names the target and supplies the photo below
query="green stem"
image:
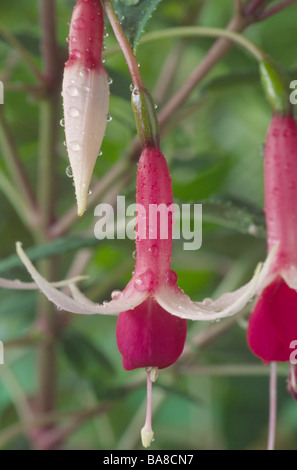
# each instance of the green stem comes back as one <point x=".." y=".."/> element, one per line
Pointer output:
<point x="201" y="31"/>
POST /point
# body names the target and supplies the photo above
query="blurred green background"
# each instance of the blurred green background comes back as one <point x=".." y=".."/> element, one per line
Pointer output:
<point x="216" y="397"/>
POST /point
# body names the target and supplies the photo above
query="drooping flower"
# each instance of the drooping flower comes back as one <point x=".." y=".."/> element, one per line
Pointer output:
<point x="273" y="323"/>
<point x="85" y="95"/>
<point x="151" y="328"/>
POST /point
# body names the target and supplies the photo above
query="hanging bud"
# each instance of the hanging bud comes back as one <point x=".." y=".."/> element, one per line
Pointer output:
<point x="85" y="95"/>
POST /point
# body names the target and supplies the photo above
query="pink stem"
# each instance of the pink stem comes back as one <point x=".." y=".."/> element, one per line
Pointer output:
<point x="272" y="406"/>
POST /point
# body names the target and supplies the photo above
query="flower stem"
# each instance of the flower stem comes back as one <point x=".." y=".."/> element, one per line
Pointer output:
<point x="272" y="406"/>
<point x="124" y="45"/>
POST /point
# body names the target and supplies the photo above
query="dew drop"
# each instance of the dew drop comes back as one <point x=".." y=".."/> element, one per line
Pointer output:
<point x="207" y="301"/>
<point x="108" y="118"/>
<point x="131" y="87"/>
<point x="75" y="54"/>
<point x="72" y="90"/>
<point x="144" y="281"/>
<point x="62" y="122"/>
<point x="90" y="192"/>
<point x="100" y="153"/>
<point x="69" y="172"/>
<point x="154" y="250"/>
<point x="116" y="294"/>
<point x="109" y="80"/>
<point x="106" y="35"/>
<point x="134" y="254"/>
<point x="73" y="112"/>
<point x="171" y="277"/>
<point x="74" y="146"/>
<point x="79" y="23"/>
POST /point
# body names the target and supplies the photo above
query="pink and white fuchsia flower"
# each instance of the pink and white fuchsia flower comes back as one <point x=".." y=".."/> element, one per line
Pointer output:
<point x="85" y="95"/>
<point x="151" y="328"/>
<point x="273" y="323"/>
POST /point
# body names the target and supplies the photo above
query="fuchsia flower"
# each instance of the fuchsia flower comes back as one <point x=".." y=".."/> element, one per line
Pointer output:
<point x="151" y="328"/>
<point x="273" y="323"/>
<point x="85" y="95"/>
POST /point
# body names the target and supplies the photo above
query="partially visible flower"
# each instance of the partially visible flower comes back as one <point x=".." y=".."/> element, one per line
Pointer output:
<point x="85" y="95"/>
<point x="273" y="323"/>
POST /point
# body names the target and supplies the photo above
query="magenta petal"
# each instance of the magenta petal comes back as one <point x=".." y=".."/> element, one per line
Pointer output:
<point x="148" y="336"/>
<point x="284" y="313"/>
<point x="264" y="339"/>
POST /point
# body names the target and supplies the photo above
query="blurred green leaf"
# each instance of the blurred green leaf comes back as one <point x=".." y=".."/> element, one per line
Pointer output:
<point x="89" y="361"/>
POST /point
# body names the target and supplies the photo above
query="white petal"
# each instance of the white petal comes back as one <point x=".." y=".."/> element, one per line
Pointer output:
<point x="19" y="285"/>
<point x="128" y="299"/>
<point x="86" y="102"/>
<point x="177" y="303"/>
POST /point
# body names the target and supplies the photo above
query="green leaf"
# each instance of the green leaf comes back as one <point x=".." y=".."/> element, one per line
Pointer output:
<point x="134" y="15"/>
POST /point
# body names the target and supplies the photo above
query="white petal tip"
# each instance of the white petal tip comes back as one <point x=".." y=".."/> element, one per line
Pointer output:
<point x="146" y="437"/>
<point x="81" y="206"/>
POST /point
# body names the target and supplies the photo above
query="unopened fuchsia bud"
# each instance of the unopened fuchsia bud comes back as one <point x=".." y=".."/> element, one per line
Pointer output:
<point x="85" y="95"/>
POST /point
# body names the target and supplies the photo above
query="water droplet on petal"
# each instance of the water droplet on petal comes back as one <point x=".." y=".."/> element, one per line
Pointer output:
<point x="207" y="301"/>
<point x="154" y="250"/>
<point x="62" y="122"/>
<point x="116" y="294"/>
<point x="144" y="281"/>
<point x="171" y="277"/>
<point x="79" y="23"/>
<point x="109" y="80"/>
<point x="72" y="90"/>
<point x="108" y="118"/>
<point x="73" y="112"/>
<point x="74" y="146"/>
<point x="90" y="192"/>
<point x="134" y="254"/>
